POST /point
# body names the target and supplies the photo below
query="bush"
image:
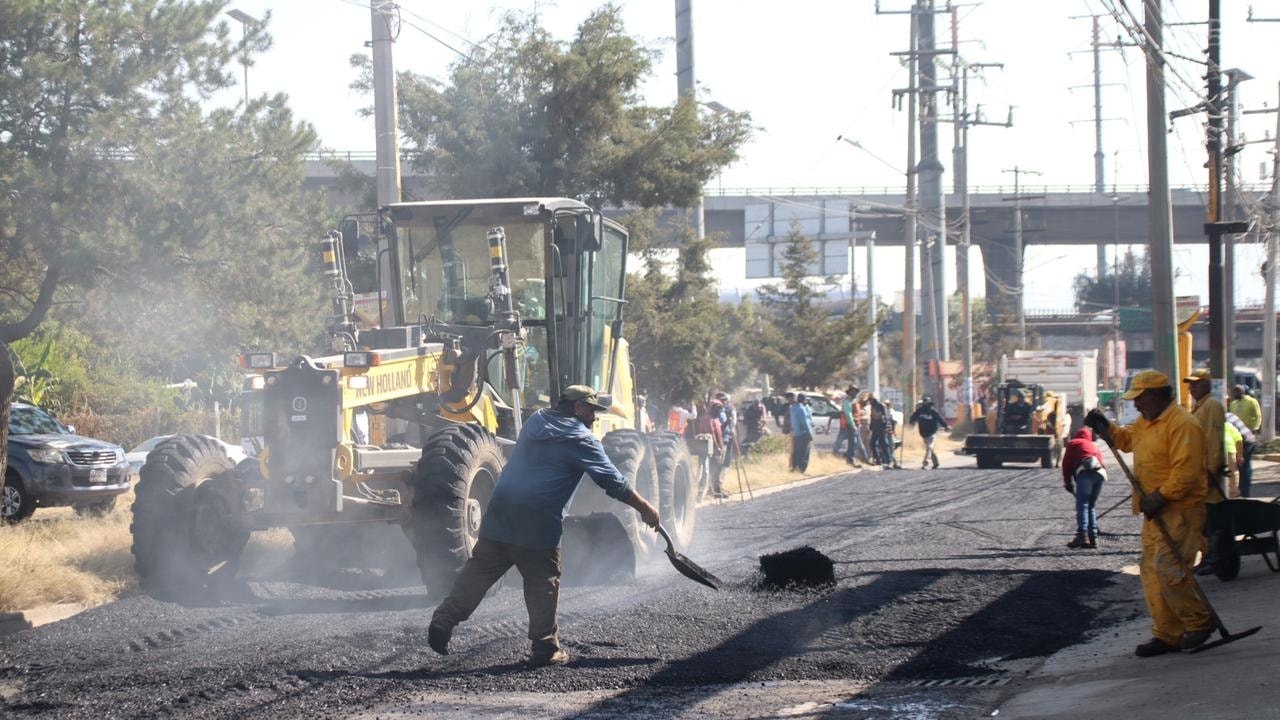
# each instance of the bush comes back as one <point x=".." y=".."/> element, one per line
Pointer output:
<point x="772" y="445"/>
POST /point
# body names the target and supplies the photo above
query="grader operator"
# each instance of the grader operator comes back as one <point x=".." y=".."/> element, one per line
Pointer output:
<point x="465" y="317"/>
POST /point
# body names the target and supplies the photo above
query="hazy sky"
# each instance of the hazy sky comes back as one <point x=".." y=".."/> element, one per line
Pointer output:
<point x="810" y="70"/>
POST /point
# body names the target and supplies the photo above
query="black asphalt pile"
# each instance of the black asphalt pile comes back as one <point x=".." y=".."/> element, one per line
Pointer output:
<point x="801" y="567"/>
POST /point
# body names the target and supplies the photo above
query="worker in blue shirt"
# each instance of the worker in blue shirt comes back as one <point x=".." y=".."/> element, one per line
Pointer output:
<point x="801" y="433"/>
<point x="525" y="519"/>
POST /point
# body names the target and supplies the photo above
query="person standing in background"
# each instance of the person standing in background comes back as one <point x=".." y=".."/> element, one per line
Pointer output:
<point x="801" y="433"/>
<point x="1249" y="443"/>
<point x="1246" y="408"/>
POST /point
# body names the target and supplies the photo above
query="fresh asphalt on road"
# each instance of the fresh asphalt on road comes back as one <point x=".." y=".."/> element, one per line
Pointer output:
<point x="951" y="584"/>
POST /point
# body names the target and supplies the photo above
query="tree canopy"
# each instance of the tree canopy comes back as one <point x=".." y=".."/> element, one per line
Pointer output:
<point x="799" y="342"/>
<point x="145" y="219"/>
<point x="528" y="115"/>
<point x="1129" y="285"/>
<point x="676" y="323"/>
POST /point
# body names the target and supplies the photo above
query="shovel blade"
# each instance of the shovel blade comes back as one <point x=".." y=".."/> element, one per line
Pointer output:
<point x="1228" y="638"/>
<point x="690" y="569"/>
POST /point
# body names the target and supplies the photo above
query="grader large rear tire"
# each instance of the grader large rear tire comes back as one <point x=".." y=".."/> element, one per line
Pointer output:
<point x="631" y="454"/>
<point x="186" y="516"/>
<point x="452" y="485"/>
<point x="677" y="491"/>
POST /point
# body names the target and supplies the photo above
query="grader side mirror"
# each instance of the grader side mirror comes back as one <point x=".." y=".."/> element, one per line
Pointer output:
<point x="589" y="229"/>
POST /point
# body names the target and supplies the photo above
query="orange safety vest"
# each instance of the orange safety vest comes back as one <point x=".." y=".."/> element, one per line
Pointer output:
<point x="676" y="420"/>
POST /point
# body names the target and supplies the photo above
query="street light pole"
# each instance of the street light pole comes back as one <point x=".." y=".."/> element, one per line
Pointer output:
<point x="245" y="20"/>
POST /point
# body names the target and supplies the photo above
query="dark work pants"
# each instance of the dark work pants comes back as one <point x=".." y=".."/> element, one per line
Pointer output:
<point x="1246" y="470"/>
<point x="800" y="452"/>
<point x="490" y="560"/>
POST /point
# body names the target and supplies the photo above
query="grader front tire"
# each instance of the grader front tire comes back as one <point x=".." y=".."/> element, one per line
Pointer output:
<point x="452" y="485"/>
<point x="185" y="515"/>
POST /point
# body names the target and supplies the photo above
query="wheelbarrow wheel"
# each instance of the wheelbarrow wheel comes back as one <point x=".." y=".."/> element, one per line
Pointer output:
<point x="1226" y="561"/>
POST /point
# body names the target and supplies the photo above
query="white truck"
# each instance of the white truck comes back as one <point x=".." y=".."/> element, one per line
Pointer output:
<point x="1070" y="374"/>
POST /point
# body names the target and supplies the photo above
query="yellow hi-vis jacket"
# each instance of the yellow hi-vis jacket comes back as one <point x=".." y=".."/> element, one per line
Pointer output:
<point x="1168" y="455"/>
<point x="1208" y="411"/>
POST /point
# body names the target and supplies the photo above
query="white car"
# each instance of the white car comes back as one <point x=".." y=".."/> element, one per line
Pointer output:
<point x="138" y="456"/>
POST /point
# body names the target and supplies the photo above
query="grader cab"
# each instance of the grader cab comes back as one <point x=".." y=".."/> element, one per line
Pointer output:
<point x="453" y="322"/>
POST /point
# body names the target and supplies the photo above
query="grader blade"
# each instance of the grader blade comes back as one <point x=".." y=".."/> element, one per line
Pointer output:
<point x="596" y="550"/>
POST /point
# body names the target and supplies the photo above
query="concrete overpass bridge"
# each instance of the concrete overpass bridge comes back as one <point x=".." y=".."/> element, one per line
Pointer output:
<point x="760" y="219"/>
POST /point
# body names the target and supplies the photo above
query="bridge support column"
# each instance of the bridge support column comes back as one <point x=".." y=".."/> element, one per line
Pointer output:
<point x="1003" y="281"/>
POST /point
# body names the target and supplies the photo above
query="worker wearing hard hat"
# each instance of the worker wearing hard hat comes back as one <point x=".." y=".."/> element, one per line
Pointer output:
<point x="1168" y="449"/>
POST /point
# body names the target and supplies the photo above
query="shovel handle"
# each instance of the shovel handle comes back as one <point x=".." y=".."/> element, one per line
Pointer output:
<point x="663" y="532"/>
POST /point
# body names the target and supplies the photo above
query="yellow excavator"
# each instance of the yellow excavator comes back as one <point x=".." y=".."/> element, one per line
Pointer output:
<point x="452" y="322"/>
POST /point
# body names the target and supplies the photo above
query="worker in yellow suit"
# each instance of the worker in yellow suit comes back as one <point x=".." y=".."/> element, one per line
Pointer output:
<point x="1168" y="449"/>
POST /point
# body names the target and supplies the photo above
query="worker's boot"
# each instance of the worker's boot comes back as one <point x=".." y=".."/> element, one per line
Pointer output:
<point x="1079" y="541"/>
<point x="559" y="657"/>
<point x="1153" y="647"/>
<point x="1193" y="639"/>
<point x="1093" y="543"/>
<point x="935" y="461"/>
<point x="439" y="633"/>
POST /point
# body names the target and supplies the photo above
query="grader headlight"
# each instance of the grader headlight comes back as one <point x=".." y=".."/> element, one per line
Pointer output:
<point x="258" y="360"/>
<point x="360" y="359"/>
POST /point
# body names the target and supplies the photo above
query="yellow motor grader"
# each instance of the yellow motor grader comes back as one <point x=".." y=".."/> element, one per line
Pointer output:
<point x="453" y="321"/>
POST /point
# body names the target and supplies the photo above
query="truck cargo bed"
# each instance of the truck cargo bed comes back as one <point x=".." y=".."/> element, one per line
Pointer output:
<point x="993" y="450"/>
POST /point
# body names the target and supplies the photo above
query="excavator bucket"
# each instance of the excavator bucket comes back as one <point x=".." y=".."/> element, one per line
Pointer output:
<point x="596" y="550"/>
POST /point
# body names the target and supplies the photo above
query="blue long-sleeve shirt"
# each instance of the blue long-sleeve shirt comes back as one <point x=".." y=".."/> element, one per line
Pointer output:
<point x="801" y="420"/>
<point x="538" y="482"/>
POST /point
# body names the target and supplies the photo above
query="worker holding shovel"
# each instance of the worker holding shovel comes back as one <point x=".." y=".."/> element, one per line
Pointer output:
<point x="525" y="520"/>
<point x="1168" y="454"/>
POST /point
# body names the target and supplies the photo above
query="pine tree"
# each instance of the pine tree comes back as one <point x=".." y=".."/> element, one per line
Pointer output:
<point x="799" y="342"/>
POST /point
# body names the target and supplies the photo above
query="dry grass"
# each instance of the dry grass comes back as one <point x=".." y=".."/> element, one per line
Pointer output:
<point x="57" y="557"/>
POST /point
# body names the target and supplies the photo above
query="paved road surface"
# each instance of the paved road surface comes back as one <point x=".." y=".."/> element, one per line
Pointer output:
<point x="951" y="585"/>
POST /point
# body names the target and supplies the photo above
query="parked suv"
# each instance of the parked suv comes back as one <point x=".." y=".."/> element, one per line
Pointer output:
<point x="50" y="465"/>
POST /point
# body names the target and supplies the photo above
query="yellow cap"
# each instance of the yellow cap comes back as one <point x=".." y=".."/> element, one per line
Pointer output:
<point x="1146" y="380"/>
<point x="1201" y="374"/>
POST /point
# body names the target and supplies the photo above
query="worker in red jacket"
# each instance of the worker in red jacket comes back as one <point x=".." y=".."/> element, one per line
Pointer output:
<point x="1083" y="475"/>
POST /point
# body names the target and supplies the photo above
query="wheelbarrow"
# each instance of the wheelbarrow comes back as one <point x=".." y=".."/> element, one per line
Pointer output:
<point x="1243" y="527"/>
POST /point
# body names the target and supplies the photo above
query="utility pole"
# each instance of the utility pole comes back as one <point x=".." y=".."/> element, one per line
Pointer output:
<point x="1235" y="76"/>
<point x="931" y="206"/>
<point x="385" y="121"/>
<point x="961" y="124"/>
<point x="1160" y="233"/>
<point x="873" y="348"/>
<point x="909" y="218"/>
<point x="686" y="85"/>
<point x="1269" y="305"/>
<point x="932" y="202"/>
<point x="1017" y="199"/>
<point x="1218" y="306"/>
<point x="1099" y="170"/>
